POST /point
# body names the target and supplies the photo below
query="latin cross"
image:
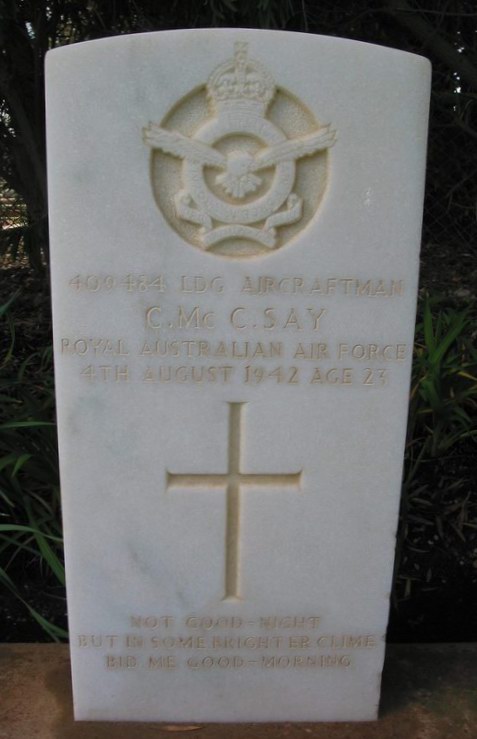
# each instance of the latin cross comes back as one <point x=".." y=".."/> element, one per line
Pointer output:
<point x="233" y="481"/>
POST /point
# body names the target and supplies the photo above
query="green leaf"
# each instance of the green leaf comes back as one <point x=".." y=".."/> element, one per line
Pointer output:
<point x="22" y="459"/>
<point x="56" y="632"/>
<point x="47" y="552"/>
<point x="7" y="460"/>
<point x="6" y="306"/>
<point x="456" y="327"/>
<point x="24" y="424"/>
<point x="30" y="530"/>
<point x="427" y="326"/>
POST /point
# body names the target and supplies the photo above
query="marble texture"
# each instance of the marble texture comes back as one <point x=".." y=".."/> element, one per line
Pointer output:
<point x="234" y="240"/>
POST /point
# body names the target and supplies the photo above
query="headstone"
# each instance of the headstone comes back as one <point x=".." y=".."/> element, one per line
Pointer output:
<point x="235" y="223"/>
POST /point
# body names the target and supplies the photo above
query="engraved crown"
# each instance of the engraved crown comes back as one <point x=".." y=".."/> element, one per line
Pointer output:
<point x="241" y="83"/>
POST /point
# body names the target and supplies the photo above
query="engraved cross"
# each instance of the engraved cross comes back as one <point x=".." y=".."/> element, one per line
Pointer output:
<point x="233" y="481"/>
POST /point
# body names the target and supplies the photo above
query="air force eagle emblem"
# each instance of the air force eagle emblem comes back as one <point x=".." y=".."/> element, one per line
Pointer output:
<point x="239" y="168"/>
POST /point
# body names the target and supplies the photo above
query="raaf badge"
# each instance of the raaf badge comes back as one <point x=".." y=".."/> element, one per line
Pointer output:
<point x="239" y="167"/>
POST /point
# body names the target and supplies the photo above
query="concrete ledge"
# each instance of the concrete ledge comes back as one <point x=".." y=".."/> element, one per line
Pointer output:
<point x="429" y="692"/>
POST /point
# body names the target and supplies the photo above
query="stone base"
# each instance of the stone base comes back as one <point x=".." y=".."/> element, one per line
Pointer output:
<point x="429" y="690"/>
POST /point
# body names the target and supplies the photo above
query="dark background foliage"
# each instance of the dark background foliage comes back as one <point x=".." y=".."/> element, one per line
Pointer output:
<point x="435" y="590"/>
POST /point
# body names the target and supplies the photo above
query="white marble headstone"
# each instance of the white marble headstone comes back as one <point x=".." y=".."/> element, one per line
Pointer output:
<point x="235" y="226"/>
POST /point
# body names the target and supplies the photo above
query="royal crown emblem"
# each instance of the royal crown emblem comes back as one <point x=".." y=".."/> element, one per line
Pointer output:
<point x="240" y="167"/>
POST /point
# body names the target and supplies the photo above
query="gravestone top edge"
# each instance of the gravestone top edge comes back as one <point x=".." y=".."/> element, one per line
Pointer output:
<point x="293" y="36"/>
